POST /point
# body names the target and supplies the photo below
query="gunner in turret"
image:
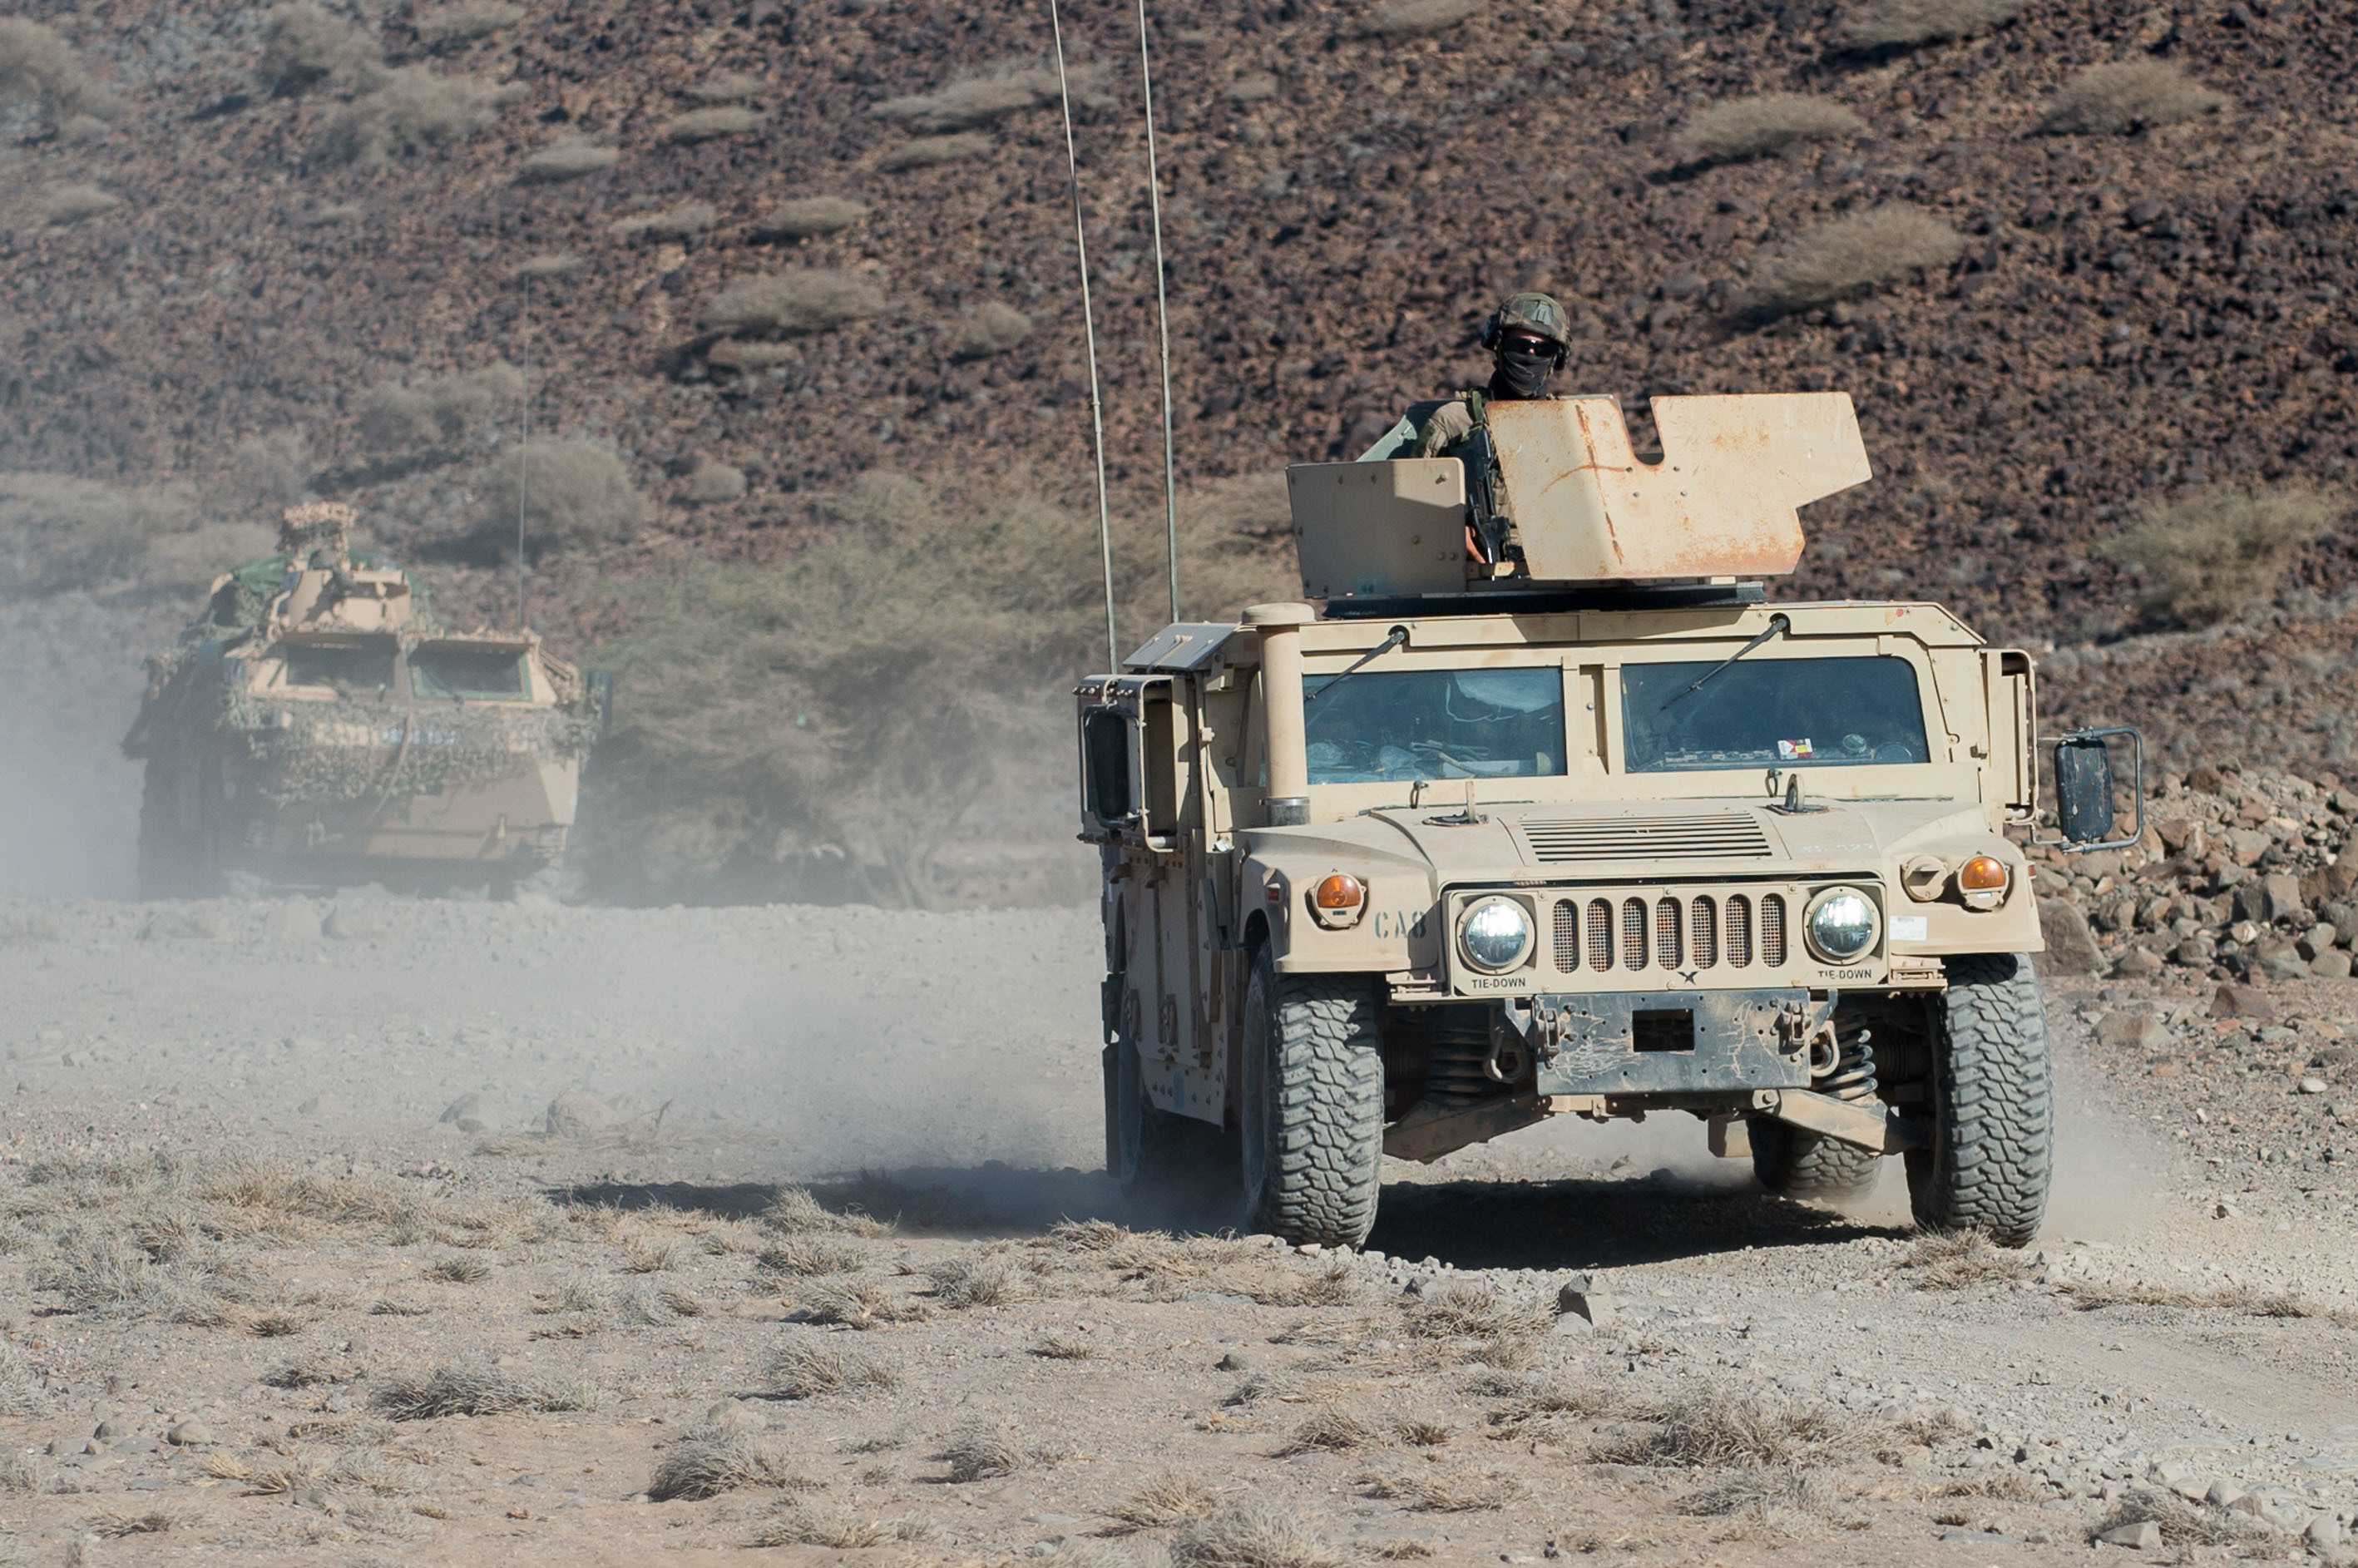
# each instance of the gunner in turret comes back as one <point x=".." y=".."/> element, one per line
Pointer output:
<point x="1528" y="338"/>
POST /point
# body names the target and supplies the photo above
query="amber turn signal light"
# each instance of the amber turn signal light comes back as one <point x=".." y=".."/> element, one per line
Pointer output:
<point x="1340" y="891"/>
<point x="1982" y="873"/>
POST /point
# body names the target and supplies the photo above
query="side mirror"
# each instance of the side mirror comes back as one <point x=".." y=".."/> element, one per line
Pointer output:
<point x="2084" y="783"/>
<point x="1106" y="770"/>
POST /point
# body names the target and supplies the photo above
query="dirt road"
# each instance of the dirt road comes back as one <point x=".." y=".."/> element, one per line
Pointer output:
<point x="821" y="1232"/>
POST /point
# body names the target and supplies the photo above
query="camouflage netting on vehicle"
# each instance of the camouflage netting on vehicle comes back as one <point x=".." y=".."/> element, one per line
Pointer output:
<point x="350" y="751"/>
<point x="243" y="596"/>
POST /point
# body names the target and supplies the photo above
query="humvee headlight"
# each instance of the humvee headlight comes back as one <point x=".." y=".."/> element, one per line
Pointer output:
<point x="1982" y="882"/>
<point x="1338" y="901"/>
<point x="1840" y="925"/>
<point x="1495" y="935"/>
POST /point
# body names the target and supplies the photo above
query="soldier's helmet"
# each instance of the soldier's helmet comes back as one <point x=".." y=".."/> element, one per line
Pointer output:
<point x="1536" y="313"/>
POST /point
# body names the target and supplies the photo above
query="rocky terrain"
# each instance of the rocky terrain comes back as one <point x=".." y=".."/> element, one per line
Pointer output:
<point x="413" y="1232"/>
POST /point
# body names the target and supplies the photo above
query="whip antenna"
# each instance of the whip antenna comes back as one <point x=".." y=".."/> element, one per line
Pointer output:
<point x="1089" y="332"/>
<point x="1162" y="318"/>
<point x="524" y="453"/>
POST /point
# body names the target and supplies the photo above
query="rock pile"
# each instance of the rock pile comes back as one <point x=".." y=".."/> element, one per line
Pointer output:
<point x="2243" y="876"/>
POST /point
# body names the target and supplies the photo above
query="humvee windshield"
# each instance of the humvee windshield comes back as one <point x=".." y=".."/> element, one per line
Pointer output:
<point x="480" y="672"/>
<point x="1436" y="724"/>
<point x="363" y="666"/>
<point x="1775" y="712"/>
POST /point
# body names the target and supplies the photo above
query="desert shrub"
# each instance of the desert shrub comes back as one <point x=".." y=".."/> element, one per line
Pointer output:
<point x="38" y="67"/>
<point x="2129" y="96"/>
<point x="565" y="160"/>
<point x="574" y="493"/>
<point x="673" y="222"/>
<point x="927" y="152"/>
<point x="464" y="21"/>
<point x="1251" y="1535"/>
<point x="1854" y="256"/>
<point x="1008" y="89"/>
<point x="792" y="304"/>
<point x="711" y="1463"/>
<point x="1897" y="24"/>
<point x="394" y="416"/>
<point x="1710" y="1427"/>
<point x="1415" y="18"/>
<point x="1744" y="128"/>
<point x="808" y="217"/>
<point x="549" y="263"/>
<point x="713" y="483"/>
<point x="58" y="532"/>
<point x="711" y="124"/>
<point x="2212" y="556"/>
<point x="450" y="1391"/>
<point x="728" y="87"/>
<point x="304" y="44"/>
<point x="993" y="328"/>
<point x="1253" y="87"/>
<point x="64" y="204"/>
<point x="414" y="110"/>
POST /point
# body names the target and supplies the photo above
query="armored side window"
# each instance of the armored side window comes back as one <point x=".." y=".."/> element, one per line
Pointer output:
<point x="481" y="673"/>
<point x="346" y="666"/>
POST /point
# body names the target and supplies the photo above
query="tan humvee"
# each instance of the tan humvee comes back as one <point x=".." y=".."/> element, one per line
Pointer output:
<point x="316" y="728"/>
<point x="1549" y="813"/>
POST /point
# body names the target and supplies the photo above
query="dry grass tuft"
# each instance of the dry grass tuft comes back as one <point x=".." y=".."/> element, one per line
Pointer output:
<point x="117" y="1526"/>
<point x="2183" y="1524"/>
<point x="810" y="1257"/>
<point x="649" y="1254"/>
<point x="993" y="328"/>
<point x="463" y="21"/>
<point x="1065" y="1347"/>
<point x="860" y="1303"/>
<point x="1415" y="18"/>
<point x="1714" y="1428"/>
<point x="928" y="152"/>
<point x="1455" y="1309"/>
<point x="808" y="217"/>
<point x="1334" y="1431"/>
<point x="796" y="1212"/>
<point x="803" y="1370"/>
<point x="1961" y="1258"/>
<point x="1337" y="1284"/>
<point x="1767" y="1493"/>
<point x="711" y="124"/>
<point x="277" y="1323"/>
<point x="2109" y="100"/>
<point x="461" y="1270"/>
<point x="392" y="1306"/>
<point x="971" y="102"/>
<point x="981" y="1451"/>
<point x="103" y="1276"/>
<point x="1436" y="1489"/>
<point x="61" y="205"/>
<point x="574" y="494"/>
<point x="794" y="304"/>
<point x="1418" y="1432"/>
<point x="304" y="44"/>
<point x="2212" y="557"/>
<point x="2092" y="1297"/>
<point x="310" y="1372"/>
<point x="803" y="1523"/>
<point x="673" y="222"/>
<point x="414" y="110"/>
<point x="978" y="1281"/>
<point x="1251" y="1535"/>
<point x="1900" y="24"/>
<point x="1745" y="129"/>
<point x="451" y="1390"/>
<point x="563" y="160"/>
<point x="708" y="1464"/>
<point x="1854" y="256"/>
<point x="1164" y="1501"/>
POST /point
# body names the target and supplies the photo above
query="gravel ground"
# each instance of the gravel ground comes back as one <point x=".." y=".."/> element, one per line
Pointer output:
<point x="819" y="1230"/>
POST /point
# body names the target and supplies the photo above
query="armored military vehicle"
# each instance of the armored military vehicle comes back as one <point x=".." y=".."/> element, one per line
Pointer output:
<point x="315" y="727"/>
<point x="1549" y="812"/>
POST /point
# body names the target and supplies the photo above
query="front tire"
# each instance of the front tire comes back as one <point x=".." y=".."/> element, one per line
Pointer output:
<point x="1992" y="1154"/>
<point x="1796" y="1164"/>
<point x="1313" y="1106"/>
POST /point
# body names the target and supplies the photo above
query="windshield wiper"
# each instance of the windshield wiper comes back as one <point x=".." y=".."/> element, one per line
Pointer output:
<point x="1398" y="639"/>
<point x="1776" y="623"/>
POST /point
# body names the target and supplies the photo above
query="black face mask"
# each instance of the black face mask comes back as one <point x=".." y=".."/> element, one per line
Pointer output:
<point x="1522" y="373"/>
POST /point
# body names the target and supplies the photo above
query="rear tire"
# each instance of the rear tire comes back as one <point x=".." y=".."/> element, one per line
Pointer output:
<point x="1148" y="1148"/>
<point x="1313" y="1106"/>
<point x="1796" y="1164"/>
<point x="1992" y="1154"/>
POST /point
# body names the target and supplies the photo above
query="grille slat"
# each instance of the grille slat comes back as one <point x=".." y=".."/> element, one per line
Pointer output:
<point x="1699" y="836"/>
<point x="1670" y="935"/>
<point x="1633" y="932"/>
<point x="1702" y="932"/>
<point x="1772" y="930"/>
<point x="1600" y="935"/>
<point x="1567" y="936"/>
<point x="1737" y="942"/>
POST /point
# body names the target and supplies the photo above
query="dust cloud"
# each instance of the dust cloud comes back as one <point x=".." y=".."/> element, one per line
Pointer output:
<point x="69" y="799"/>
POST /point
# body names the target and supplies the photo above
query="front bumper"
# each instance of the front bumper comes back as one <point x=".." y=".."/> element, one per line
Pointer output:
<point x="1652" y="1043"/>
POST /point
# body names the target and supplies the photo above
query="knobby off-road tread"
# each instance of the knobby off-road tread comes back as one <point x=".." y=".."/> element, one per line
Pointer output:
<point x="1325" y="1113"/>
<point x="1992" y="1102"/>
<point x="1802" y="1164"/>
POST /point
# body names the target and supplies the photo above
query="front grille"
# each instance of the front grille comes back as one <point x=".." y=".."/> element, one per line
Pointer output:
<point x="1567" y="935"/>
<point x="1702" y="836"/>
<point x="1653" y="936"/>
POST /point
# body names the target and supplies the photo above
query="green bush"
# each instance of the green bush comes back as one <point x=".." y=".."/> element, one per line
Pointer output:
<point x="671" y="224"/>
<point x="1900" y="24"/>
<point x="927" y="152"/>
<point x="808" y="217"/>
<point x="1744" y="128"/>
<point x="304" y="44"/>
<point x="395" y="418"/>
<point x="794" y="304"/>
<point x="574" y="494"/>
<point x="414" y="110"/>
<point x="2129" y="96"/>
<point x="64" y="204"/>
<point x="465" y="21"/>
<point x="2213" y="556"/>
<point x="711" y="124"/>
<point x="38" y="67"/>
<point x="1415" y="18"/>
<point x="1854" y="256"/>
<point x="565" y="161"/>
<point x="993" y="328"/>
<point x="884" y="694"/>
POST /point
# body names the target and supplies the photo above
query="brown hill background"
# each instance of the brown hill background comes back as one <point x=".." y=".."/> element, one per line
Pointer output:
<point x="264" y="253"/>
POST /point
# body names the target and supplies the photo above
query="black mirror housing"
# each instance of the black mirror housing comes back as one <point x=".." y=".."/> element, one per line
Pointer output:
<point x="2084" y="781"/>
